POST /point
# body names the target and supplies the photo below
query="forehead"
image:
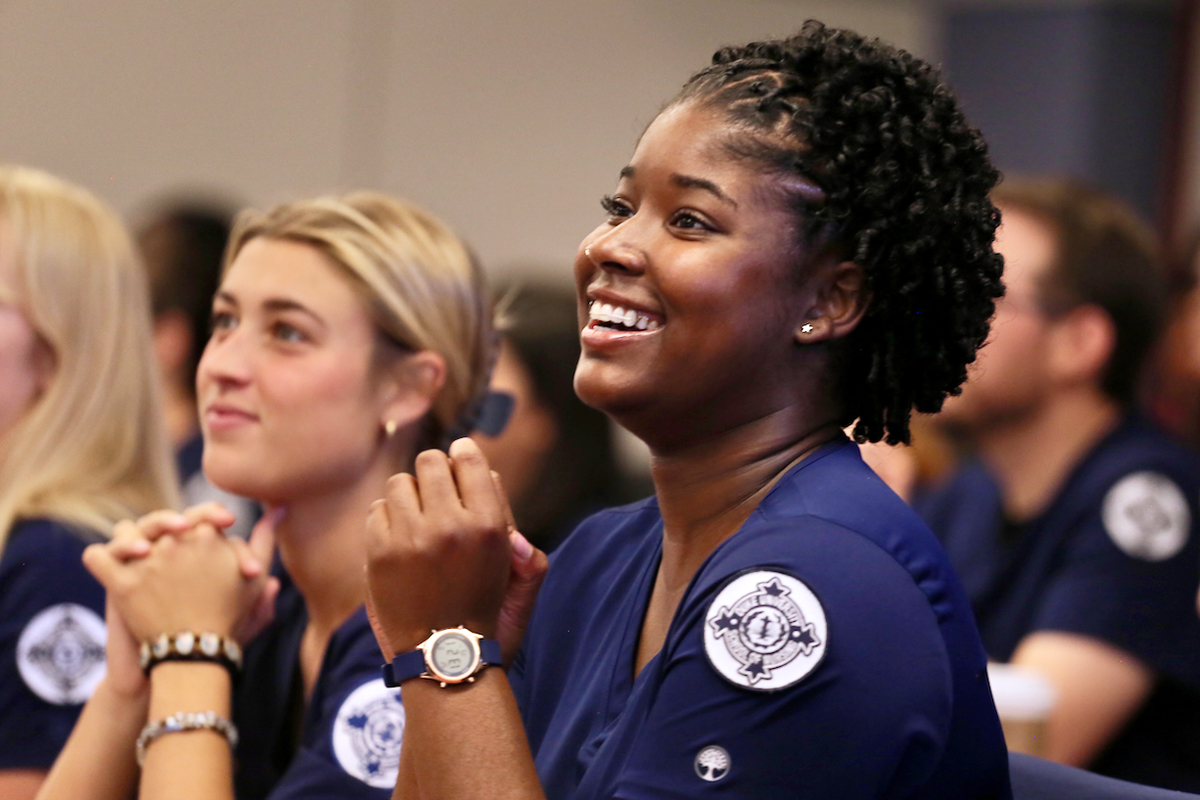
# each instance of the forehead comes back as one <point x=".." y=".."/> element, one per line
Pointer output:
<point x="268" y="269"/>
<point x="700" y="140"/>
<point x="1028" y="246"/>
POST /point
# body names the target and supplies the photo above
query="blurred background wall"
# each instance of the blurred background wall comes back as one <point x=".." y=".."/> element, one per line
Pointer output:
<point x="510" y="119"/>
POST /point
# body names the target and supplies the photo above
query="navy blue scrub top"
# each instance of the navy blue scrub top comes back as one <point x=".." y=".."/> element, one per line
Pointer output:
<point x="825" y="650"/>
<point x="51" y="639"/>
<point x="345" y="744"/>
<point x="1115" y="557"/>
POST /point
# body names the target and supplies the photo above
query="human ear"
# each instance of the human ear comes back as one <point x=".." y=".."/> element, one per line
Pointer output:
<point x="840" y="301"/>
<point x="1081" y="344"/>
<point x="413" y="384"/>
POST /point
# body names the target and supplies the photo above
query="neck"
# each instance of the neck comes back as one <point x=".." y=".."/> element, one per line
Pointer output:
<point x="1032" y="457"/>
<point x="323" y="544"/>
<point x="706" y="490"/>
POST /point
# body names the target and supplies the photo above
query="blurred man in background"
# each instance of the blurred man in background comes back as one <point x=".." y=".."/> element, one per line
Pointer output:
<point x="1075" y="531"/>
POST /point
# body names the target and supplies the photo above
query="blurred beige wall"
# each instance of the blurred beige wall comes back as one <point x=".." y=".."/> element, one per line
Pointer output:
<point x="508" y="119"/>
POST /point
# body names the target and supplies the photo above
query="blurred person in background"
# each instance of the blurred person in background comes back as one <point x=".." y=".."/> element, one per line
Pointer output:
<point x="82" y="445"/>
<point x="1075" y="531"/>
<point x="183" y="244"/>
<point x="1173" y="383"/>
<point x="556" y="455"/>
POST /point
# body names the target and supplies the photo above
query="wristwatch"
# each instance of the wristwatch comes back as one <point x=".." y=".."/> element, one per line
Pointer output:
<point x="449" y="656"/>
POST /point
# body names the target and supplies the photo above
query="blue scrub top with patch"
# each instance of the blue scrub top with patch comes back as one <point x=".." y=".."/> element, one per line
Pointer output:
<point x="878" y="690"/>
<point x="345" y="744"/>
<point x="51" y="640"/>
<point x="1115" y="557"/>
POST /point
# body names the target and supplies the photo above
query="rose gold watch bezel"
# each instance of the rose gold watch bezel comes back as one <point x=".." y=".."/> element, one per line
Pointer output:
<point x="432" y="673"/>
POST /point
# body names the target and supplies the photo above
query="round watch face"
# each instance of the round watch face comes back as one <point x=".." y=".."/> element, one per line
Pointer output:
<point x="453" y="656"/>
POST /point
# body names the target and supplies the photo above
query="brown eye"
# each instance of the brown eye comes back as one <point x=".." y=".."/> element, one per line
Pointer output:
<point x="614" y="207"/>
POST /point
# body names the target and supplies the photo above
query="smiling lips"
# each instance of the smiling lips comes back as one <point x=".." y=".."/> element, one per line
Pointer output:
<point x="618" y="318"/>
<point x="221" y="416"/>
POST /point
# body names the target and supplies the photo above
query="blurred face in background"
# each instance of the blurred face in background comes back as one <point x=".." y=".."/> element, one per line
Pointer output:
<point x="26" y="363"/>
<point x="521" y="449"/>
<point x="1009" y="379"/>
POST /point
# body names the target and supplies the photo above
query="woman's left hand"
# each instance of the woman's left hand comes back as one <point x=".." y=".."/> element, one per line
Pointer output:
<point x="438" y="547"/>
<point x="188" y="581"/>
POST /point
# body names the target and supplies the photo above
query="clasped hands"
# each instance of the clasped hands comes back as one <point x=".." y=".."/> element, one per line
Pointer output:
<point x="443" y="550"/>
<point x="169" y="572"/>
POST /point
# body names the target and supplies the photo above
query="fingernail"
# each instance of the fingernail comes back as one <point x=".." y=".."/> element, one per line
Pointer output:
<point x="521" y="546"/>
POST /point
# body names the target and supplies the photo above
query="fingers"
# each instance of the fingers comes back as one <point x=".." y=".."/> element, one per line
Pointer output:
<point x="435" y="482"/>
<point x="505" y="506"/>
<point x="255" y="557"/>
<point x="476" y="486"/>
<point x="213" y="513"/>
<point x="100" y="561"/>
<point x="131" y="539"/>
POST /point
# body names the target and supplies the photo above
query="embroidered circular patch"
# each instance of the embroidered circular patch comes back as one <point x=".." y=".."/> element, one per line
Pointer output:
<point x="60" y="654"/>
<point x="712" y="763"/>
<point x="765" y="631"/>
<point x="1147" y="516"/>
<point x="367" y="734"/>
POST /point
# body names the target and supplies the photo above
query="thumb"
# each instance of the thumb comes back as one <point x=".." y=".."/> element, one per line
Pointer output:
<point x="261" y="544"/>
<point x="101" y="563"/>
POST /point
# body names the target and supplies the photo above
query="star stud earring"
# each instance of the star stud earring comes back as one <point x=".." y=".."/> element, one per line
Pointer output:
<point x="806" y="328"/>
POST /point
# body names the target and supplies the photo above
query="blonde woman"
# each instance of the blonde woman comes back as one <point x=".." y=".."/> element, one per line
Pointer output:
<point x="82" y="445"/>
<point x="348" y="334"/>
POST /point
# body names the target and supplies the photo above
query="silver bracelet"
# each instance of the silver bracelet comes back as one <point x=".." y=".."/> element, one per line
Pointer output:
<point x="185" y="721"/>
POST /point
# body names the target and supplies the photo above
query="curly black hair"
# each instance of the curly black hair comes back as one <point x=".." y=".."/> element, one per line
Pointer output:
<point x="905" y="181"/>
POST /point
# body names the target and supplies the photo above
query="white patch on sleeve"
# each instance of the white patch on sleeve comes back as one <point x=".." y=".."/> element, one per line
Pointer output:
<point x="765" y="630"/>
<point x="1147" y="516"/>
<point x="367" y="734"/>
<point x="60" y="653"/>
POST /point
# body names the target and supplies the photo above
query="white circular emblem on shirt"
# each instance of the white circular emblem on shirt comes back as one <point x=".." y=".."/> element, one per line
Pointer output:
<point x="60" y="654"/>
<point x="367" y="734"/>
<point x="1147" y="516"/>
<point x="712" y="763"/>
<point x="765" y="631"/>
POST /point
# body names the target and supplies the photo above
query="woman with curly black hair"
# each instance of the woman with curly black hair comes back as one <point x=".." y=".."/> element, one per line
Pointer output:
<point x="801" y="241"/>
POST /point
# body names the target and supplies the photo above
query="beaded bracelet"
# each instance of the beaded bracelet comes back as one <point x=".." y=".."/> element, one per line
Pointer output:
<point x="185" y="721"/>
<point x="189" y="646"/>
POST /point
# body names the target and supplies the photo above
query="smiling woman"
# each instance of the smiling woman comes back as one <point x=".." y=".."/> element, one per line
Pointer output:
<point x="800" y="242"/>
<point x="348" y="332"/>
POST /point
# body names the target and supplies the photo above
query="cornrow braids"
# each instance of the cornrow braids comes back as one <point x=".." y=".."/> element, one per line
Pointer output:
<point x="905" y="180"/>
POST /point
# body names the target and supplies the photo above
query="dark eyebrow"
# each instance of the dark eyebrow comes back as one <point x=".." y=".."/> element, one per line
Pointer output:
<point x="690" y="182"/>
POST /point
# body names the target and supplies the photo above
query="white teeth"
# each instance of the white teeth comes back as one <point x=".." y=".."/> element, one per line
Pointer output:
<point x="617" y="315"/>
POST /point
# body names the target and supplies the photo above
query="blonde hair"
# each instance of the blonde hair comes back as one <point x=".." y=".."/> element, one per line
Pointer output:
<point x="424" y="287"/>
<point x="91" y="449"/>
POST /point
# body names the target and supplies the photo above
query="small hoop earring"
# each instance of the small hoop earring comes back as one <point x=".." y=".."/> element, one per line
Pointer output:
<point x="389" y="428"/>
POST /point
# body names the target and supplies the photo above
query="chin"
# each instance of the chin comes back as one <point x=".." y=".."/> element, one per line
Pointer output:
<point x="239" y="477"/>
